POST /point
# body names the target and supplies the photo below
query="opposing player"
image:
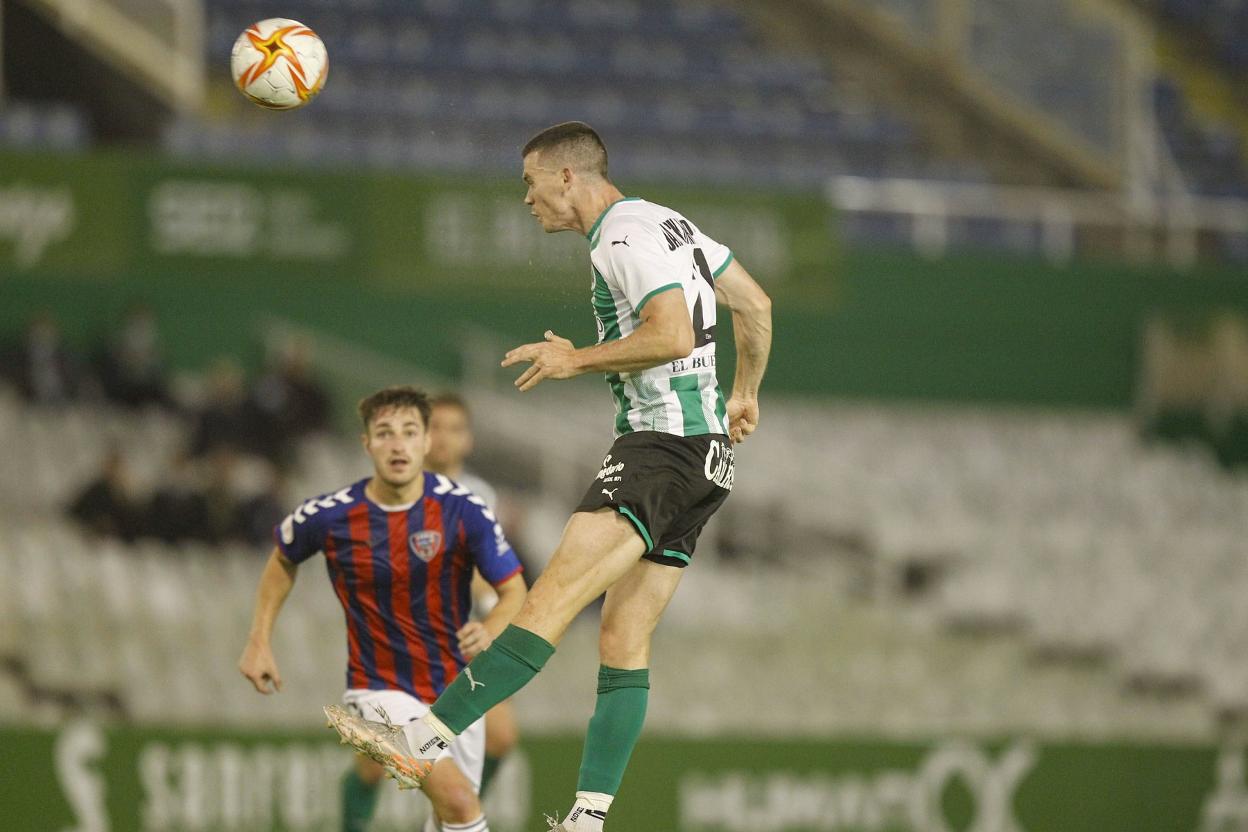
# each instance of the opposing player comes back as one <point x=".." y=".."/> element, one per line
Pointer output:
<point x="400" y="547"/>
<point x="656" y="278"/>
<point x="450" y="444"/>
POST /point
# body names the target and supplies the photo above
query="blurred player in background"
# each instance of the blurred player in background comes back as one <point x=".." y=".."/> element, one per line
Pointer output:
<point x="450" y="444"/>
<point x="401" y="548"/>
<point x="656" y="279"/>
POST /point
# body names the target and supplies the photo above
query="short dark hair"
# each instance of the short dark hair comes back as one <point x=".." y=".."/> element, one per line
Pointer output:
<point x="399" y="396"/>
<point x="448" y="399"/>
<point x="581" y="143"/>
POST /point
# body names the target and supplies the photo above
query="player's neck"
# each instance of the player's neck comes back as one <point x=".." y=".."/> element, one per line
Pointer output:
<point x="451" y="471"/>
<point x="384" y="494"/>
<point x="597" y="200"/>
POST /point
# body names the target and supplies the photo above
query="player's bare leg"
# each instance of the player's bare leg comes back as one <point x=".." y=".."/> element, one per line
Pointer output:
<point x="632" y="610"/>
<point x="455" y="803"/>
<point x="597" y="549"/>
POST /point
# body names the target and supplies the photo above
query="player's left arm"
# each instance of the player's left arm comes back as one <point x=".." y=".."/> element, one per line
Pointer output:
<point x="664" y="334"/>
<point x="751" y="327"/>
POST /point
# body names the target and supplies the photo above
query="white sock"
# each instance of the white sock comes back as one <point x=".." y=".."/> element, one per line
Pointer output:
<point x="431" y="823"/>
<point x="428" y="736"/>
<point x="478" y="825"/>
<point x="589" y="812"/>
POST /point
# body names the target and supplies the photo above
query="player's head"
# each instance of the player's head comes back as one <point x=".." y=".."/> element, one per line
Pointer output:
<point x="450" y="434"/>
<point x="560" y="164"/>
<point x="396" y="436"/>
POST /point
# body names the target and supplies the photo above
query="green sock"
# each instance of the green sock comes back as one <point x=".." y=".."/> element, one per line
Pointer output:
<point x="488" y="771"/>
<point x="509" y="664"/>
<point x="614" y="728"/>
<point x="359" y="799"/>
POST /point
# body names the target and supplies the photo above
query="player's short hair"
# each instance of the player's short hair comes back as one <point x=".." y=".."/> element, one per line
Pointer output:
<point x="389" y="398"/>
<point x="574" y="144"/>
<point x="448" y="399"/>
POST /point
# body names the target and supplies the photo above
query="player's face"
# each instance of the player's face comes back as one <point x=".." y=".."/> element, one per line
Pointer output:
<point x="547" y="195"/>
<point x="397" y="442"/>
<point x="450" y="438"/>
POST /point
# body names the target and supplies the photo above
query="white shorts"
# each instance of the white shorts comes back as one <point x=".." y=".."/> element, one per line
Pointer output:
<point x="468" y="750"/>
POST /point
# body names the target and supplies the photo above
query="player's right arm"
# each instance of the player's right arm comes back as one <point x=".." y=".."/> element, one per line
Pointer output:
<point x="751" y="326"/>
<point x="257" y="662"/>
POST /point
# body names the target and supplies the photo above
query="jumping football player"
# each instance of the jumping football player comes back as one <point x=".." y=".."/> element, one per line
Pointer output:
<point x="656" y="278"/>
<point x="401" y="547"/>
<point x="450" y="444"/>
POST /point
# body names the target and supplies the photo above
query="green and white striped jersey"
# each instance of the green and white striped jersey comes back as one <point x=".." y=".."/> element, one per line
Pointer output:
<point x="637" y="250"/>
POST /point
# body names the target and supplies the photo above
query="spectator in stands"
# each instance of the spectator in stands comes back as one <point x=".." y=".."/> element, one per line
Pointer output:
<point x="132" y="367"/>
<point x="107" y="505"/>
<point x="223" y="519"/>
<point x="261" y="513"/>
<point x="41" y="367"/>
<point x="178" y="510"/>
<point x="289" y="401"/>
<point x="227" y="419"/>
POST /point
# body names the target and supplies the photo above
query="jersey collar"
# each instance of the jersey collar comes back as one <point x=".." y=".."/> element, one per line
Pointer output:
<point x="603" y="215"/>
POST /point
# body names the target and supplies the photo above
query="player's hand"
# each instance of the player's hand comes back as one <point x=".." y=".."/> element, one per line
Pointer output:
<point x="742" y="418"/>
<point x="553" y="358"/>
<point x="473" y="639"/>
<point x="260" y="668"/>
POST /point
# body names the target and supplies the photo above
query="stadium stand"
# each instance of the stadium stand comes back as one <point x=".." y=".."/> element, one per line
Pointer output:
<point x="443" y="85"/>
<point x="1071" y="571"/>
<point x="32" y="125"/>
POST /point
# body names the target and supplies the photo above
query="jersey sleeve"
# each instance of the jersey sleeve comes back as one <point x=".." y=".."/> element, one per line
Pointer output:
<point x="718" y="255"/>
<point x="642" y="264"/>
<point x="491" y="552"/>
<point x="301" y="534"/>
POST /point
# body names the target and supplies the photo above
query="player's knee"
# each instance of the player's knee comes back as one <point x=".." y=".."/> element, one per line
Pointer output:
<point x="501" y="738"/>
<point x="618" y="646"/>
<point x="457" y="803"/>
<point x="370" y="773"/>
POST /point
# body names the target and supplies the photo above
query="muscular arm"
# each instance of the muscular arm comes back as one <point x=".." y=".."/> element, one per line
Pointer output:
<point x="257" y="662"/>
<point x="665" y="334"/>
<point x="751" y="325"/>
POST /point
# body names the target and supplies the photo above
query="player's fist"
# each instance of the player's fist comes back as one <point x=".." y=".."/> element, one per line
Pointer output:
<point x="260" y="668"/>
<point x="473" y="639"/>
<point x="742" y="418"/>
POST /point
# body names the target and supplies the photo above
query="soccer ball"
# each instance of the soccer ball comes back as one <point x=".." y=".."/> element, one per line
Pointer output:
<point x="278" y="63"/>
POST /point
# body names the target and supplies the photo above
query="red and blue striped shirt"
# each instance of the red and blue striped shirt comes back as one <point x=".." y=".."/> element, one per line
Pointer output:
<point x="403" y="576"/>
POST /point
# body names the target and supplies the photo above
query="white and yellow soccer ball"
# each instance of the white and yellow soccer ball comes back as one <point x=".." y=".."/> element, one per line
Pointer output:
<point x="278" y="63"/>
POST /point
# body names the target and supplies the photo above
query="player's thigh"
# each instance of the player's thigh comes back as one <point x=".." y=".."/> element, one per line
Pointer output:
<point x="502" y="731"/>
<point x="596" y="550"/>
<point x="633" y="607"/>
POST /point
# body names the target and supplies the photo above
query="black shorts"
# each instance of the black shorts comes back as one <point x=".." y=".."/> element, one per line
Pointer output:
<point x="667" y="485"/>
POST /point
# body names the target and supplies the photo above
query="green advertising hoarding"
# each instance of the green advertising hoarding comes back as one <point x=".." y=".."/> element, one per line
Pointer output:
<point x="86" y="777"/>
<point x="117" y="216"/>
<point x="408" y="266"/>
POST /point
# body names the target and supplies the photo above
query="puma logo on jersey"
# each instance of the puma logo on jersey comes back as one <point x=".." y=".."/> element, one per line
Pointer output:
<point x="610" y="494"/>
<point x="471" y="681"/>
<point x="623" y="242"/>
